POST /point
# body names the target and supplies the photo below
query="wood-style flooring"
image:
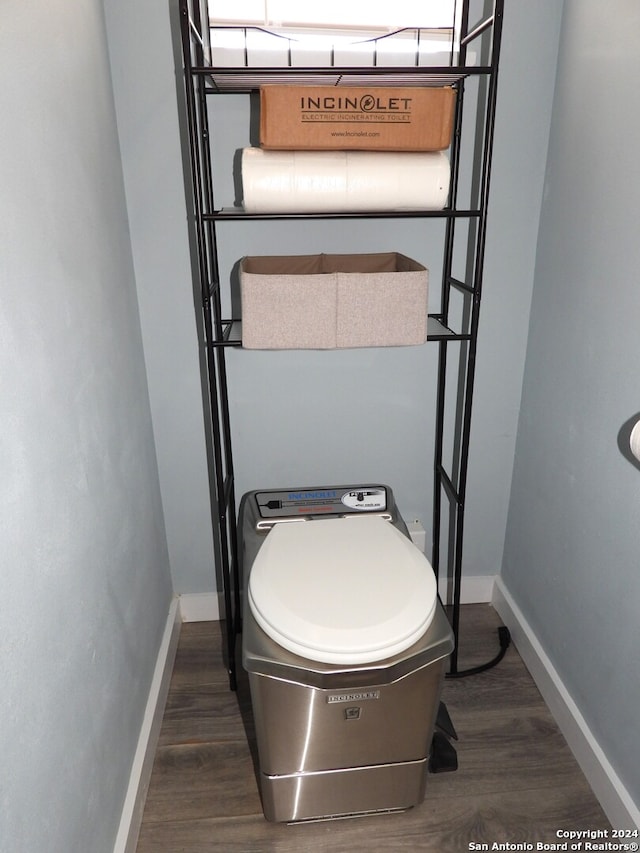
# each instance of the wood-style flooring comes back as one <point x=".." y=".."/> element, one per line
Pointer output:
<point x="516" y="782"/>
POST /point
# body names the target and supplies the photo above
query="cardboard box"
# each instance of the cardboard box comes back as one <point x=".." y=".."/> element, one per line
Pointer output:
<point x="336" y="117"/>
<point x="333" y="301"/>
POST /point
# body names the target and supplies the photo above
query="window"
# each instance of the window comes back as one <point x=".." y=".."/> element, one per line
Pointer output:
<point x="334" y="33"/>
<point x="352" y="14"/>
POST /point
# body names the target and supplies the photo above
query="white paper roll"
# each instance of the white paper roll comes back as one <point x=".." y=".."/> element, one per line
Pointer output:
<point x="360" y="181"/>
<point x="634" y="441"/>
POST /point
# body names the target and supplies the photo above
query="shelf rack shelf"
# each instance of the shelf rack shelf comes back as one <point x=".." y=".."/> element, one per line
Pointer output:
<point x="436" y="331"/>
<point x="231" y="214"/>
<point x="244" y="80"/>
<point x="201" y="81"/>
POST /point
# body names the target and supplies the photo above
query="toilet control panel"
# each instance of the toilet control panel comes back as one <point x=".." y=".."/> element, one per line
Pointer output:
<point x="326" y="501"/>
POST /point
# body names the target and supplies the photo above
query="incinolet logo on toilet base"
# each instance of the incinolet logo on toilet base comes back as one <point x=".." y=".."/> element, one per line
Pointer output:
<point x="358" y="696"/>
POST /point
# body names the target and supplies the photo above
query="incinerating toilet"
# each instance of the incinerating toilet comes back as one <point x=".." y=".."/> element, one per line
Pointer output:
<point x="345" y="643"/>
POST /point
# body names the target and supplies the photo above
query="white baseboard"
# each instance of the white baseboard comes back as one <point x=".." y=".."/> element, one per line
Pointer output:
<point x="131" y="817"/>
<point x="607" y="786"/>
<point x="200" y="607"/>
<point x="206" y="606"/>
<point x="474" y="589"/>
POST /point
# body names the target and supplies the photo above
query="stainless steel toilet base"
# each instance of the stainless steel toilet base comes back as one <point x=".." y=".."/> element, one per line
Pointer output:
<point x="358" y="745"/>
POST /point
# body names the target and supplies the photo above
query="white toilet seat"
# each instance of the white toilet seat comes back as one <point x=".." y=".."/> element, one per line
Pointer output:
<point x="342" y="590"/>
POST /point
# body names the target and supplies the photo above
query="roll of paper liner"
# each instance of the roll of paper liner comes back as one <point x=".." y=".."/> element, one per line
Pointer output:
<point x="634" y="441"/>
<point x="359" y="181"/>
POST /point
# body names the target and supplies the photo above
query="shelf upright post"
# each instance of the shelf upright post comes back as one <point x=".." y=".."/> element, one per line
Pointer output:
<point x="195" y="49"/>
<point x="439" y="473"/>
<point x="455" y="484"/>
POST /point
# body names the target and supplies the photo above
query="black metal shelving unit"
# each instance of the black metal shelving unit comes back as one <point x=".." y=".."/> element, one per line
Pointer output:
<point x="465" y="237"/>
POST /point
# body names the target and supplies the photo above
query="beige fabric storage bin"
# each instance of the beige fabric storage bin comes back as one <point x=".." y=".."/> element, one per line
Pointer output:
<point x="333" y="301"/>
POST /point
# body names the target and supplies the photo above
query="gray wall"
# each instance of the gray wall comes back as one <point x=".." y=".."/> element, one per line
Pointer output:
<point x="144" y="84"/>
<point x="309" y="417"/>
<point x="85" y="581"/>
<point x="572" y="550"/>
<point x="525" y="97"/>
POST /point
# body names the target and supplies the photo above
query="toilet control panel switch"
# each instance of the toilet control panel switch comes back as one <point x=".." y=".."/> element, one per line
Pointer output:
<point x="291" y="504"/>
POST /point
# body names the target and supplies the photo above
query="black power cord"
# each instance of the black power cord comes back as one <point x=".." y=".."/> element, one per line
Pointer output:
<point x="504" y="637"/>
